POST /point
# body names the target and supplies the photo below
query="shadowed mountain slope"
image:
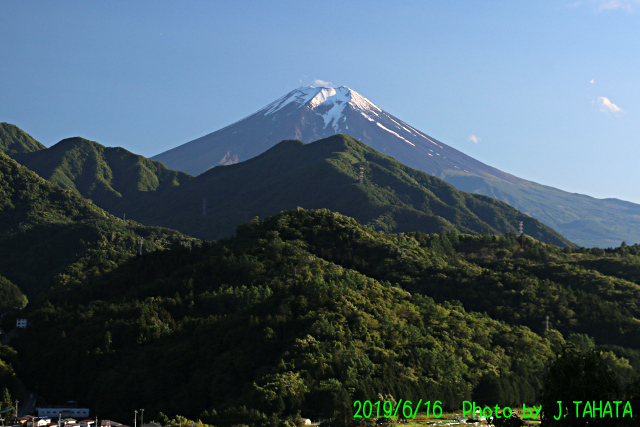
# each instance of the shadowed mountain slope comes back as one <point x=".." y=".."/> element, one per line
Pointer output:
<point x="113" y="178"/>
<point x="45" y="230"/>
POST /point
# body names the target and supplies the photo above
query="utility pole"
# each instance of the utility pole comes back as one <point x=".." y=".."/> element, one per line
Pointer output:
<point x="141" y="417"/>
<point x="16" y="409"/>
<point x="361" y="175"/>
<point x="547" y="323"/>
<point x="135" y="418"/>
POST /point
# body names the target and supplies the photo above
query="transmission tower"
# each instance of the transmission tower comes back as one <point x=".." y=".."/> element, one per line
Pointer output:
<point x="361" y="175"/>
<point x="140" y="248"/>
<point x="547" y="323"/>
<point x="521" y="228"/>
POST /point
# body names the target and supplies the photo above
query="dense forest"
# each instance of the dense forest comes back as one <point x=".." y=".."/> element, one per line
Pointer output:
<point x="513" y="278"/>
<point x="307" y="311"/>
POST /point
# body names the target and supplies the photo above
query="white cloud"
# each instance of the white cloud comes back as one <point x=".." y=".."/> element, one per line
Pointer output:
<point x="627" y="5"/>
<point x="592" y="81"/>
<point x="475" y="139"/>
<point x="601" y="5"/>
<point x="318" y="82"/>
<point x="607" y="106"/>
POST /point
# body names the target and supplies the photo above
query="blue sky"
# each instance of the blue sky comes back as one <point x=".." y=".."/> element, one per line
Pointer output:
<point x="546" y="90"/>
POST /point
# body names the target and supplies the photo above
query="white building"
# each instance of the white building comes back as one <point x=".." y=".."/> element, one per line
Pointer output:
<point x="64" y="411"/>
<point x="21" y="323"/>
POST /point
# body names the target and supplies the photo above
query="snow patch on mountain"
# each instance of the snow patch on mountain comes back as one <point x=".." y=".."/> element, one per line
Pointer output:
<point x="336" y="101"/>
<point x="396" y="134"/>
<point x="299" y="96"/>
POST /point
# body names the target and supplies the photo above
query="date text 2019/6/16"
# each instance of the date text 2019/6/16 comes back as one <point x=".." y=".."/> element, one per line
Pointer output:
<point x="386" y="409"/>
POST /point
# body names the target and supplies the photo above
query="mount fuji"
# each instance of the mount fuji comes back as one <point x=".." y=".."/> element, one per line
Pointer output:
<point x="312" y="113"/>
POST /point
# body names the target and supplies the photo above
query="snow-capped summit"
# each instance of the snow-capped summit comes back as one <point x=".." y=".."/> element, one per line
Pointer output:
<point x="328" y="101"/>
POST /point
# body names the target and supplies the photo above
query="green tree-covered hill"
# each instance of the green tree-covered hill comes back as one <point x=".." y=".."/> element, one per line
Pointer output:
<point x="14" y="140"/>
<point x="310" y="310"/>
<point x="245" y="329"/>
<point x="45" y="230"/>
<point x="113" y="178"/>
<point x="512" y="278"/>
<point x="325" y="174"/>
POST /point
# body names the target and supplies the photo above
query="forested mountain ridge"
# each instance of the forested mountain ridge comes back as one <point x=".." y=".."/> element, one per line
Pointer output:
<point x="45" y="230"/>
<point x="512" y="278"/>
<point x="14" y="140"/>
<point x="255" y="327"/>
<point x="309" y="310"/>
<point x="325" y="174"/>
<point x="113" y="178"/>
